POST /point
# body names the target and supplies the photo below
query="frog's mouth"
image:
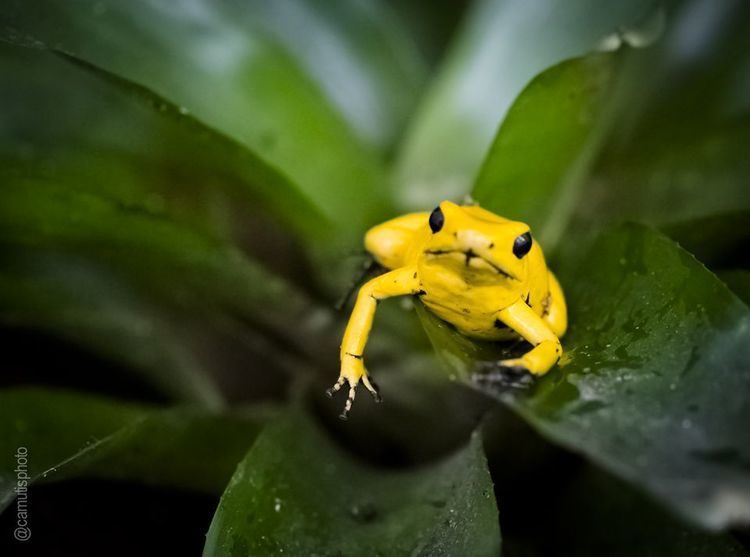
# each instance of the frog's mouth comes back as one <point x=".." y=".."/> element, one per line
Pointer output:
<point x="468" y="256"/>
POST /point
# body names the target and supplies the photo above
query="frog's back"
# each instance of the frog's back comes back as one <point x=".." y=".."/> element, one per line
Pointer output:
<point x="391" y="241"/>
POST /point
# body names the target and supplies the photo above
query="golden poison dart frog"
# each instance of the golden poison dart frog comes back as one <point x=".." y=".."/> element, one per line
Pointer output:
<point x="482" y="273"/>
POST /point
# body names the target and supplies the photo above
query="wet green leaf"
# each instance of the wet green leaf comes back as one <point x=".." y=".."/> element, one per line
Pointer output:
<point x="651" y="386"/>
<point x="207" y="60"/>
<point x="298" y="493"/>
<point x="64" y="435"/>
<point x="500" y="48"/>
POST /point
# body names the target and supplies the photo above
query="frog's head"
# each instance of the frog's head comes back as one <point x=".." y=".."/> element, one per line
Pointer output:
<point x="479" y="245"/>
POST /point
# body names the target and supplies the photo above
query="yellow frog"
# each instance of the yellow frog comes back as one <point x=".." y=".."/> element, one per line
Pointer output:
<point x="482" y="273"/>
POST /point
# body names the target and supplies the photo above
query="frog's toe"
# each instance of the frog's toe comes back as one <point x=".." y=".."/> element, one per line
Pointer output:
<point x="373" y="388"/>
<point x="336" y="387"/>
<point x="502" y="374"/>
<point x="349" y="401"/>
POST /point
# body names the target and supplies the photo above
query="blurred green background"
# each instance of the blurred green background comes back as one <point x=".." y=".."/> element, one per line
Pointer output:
<point x="184" y="190"/>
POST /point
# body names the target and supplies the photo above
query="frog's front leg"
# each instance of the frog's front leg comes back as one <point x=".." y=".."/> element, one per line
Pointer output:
<point x="537" y="361"/>
<point x="398" y="282"/>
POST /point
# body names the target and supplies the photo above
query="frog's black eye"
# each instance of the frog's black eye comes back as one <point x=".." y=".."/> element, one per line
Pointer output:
<point x="522" y="245"/>
<point x="437" y="219"/>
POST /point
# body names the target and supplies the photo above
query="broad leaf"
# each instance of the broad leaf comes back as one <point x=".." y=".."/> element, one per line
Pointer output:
<point x="65" y="435"/>
<point x="653" y="380"/>
<point x="358" y="53"/>
<point x="500" y="48"/>
<point x="297" y="493"/>
<point x="69" y="120"/>
<point x="86" y="304"/>
<point x="633" y="134"/>
<point x="546" y="144"/>
<point x="172" y="260"/>
<point x="102" y="188"/>
<point x="206" y="59"/>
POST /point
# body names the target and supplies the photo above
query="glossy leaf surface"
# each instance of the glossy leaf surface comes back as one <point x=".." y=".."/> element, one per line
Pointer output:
<point x="657" y="358"/>
<point x="297" y="493"/>
<point x="65" y="435"/>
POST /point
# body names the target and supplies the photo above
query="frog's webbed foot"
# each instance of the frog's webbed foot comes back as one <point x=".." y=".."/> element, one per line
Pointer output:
<point x="353" y="382"/>
<point x="506" y="374"/>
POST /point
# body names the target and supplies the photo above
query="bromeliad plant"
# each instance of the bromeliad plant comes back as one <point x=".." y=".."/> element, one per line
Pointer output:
<point x="185" y="187"/>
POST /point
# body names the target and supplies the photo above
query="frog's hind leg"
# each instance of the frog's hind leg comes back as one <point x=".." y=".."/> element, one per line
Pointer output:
<point x="389" y="242"/>
<point x="555" y="310"/>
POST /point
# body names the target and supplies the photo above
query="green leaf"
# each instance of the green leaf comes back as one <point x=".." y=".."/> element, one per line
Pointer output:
<point x="172" y="260"/>
<point x="64" y="435"/>
<point x="739" y="282"/>
<point x="93" y="307"/>
<point x="168" y="265"/>
<point x="430" y="26"/>
<point x="546" y="144"/>
<point x="298" y="493"/>
<point x="652" y="383"/>
<point x="69" y="120"/>
<point x="682" y="175"/>
<point x="675" y="150"/>
<point x="632" y="134"/>
<point x="233" y="76"/>
<point x="358" y="53"/>
<point x="107" y="189"/>
<point x="500" y="48"/>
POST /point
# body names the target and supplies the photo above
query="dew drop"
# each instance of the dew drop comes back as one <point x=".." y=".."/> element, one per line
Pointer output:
<point x="364" y="512"/>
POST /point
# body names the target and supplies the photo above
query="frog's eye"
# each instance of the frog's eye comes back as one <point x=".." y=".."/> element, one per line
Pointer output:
<point x="522" y="245"/>
<point x="437" y="219"/>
